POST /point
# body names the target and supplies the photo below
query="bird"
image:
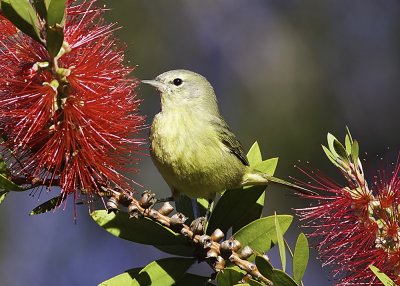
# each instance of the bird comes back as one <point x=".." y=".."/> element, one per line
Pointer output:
<point x="192" y="146"/>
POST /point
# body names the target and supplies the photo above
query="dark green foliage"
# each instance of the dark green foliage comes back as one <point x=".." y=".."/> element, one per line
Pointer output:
<point x="143" y="230"/>
<point x="49" y="205"/>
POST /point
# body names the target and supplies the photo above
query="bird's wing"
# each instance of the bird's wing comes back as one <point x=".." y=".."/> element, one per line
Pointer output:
<point x="229" y="139"/>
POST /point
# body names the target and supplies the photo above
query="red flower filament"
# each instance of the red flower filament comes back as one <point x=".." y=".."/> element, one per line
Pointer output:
<point x="69" y="121"/>
<point x="357" y="227"/>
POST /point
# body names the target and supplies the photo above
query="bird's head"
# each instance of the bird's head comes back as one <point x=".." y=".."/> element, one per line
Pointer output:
<point x="184" y="88"/>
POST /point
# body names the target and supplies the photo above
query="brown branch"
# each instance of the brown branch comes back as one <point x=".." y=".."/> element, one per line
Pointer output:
<point x="214" y="252"/>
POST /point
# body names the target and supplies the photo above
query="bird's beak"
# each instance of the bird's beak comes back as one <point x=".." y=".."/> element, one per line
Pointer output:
<point x="157" y="84"/>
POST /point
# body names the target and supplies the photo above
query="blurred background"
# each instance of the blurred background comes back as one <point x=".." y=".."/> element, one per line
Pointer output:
<point x="286" y="72"/>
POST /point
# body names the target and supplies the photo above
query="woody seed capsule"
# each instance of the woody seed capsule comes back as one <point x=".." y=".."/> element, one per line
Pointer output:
<point x="212" y="253"/>
<point x="147" y="200"/>
<point x="219" y="263"/>
<point x="217" y="235"/>
<point x="133" y="211"/>
<point x="112" y="205"/>
<point x="178" y="219"/>
<point x="198" y="225"/>
<point x="166" y="209"/>
<point x="246" y="252"/>
<point x="235" y="245"/>
<point x="205" y="241"/>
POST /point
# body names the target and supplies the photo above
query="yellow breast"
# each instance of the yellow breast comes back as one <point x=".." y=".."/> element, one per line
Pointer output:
<point x="189" y="155"/>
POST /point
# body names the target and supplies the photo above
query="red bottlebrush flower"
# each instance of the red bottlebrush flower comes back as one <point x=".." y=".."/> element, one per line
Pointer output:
<point x="6" y="27"/>
<point x="69" y="121"/>
<point x="357" y="225"/>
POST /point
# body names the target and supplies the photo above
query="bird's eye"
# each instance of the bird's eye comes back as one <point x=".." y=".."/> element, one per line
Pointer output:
<point x="177" y="81"/>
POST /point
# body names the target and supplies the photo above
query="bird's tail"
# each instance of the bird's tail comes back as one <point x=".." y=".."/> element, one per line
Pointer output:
<point x="258" y="178"/>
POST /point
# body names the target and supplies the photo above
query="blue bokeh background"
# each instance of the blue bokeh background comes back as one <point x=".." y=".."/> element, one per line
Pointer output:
<point x="286" y="72"/>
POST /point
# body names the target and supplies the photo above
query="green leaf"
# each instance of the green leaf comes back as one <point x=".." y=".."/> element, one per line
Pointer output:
<point x="382" y="276"/>
<point x="282" y="279"/>
<point x="162" y="272"/>
<point x="49" y="205"/>
<point x="143" y="230"/>
<point x="3" y="195"/>
<point x="355" y="151"/>
<point x="41" y="8"/>
<point x="192" y="279"/>
<point x="54" y="40"/>
<point x="229" y="276"/>
<point x="340" y="150"/>
<point x="281" y="243"/>
<point x="238" y="207"/>
<point x="7" y="185"/>
<point x="233" y="206"/>
<point x="264" y="266"/>
<point x="23" y="16"/>
<point x="260" y="235"/>
<point x="300" y="258"/>
<point x="267" y="166"/>
<point x="125" y="278"/>
<point x="278" y="277"/>
<point x="184" y="205"/>
<point x="254" y="155"/>
<point x="349" y="134"/>
<point x="3" y="167"/>
<point x="253" y="282"/>
<point x="202" y="205"/>
<point x="347" y="144"/>
<point x="330" y="156"/>
<point x="252" y="212"/>
<point x="337" y="149"/>
<point x="128" y="278"/>
<point x="56" y="12"/>
<point x="330" y="138"/>
<point x="24" y="10"/>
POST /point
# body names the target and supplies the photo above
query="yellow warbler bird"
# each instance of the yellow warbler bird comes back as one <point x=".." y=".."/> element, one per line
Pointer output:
<point x="191" y="144"/>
